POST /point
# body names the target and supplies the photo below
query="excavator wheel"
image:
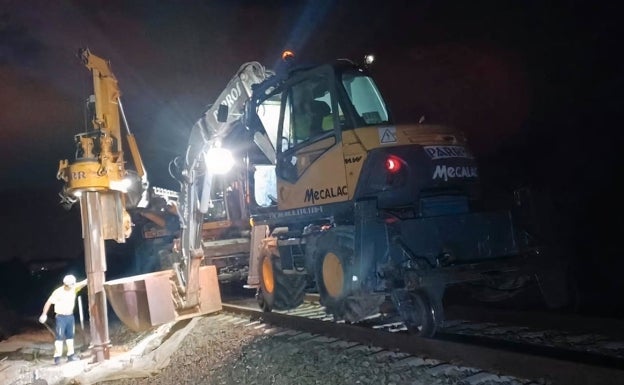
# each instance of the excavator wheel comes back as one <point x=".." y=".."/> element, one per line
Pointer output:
<point x="265" y="295"/>
<point x="334" y="279"/>
<point x="331" y="278"/>
<point x="358" y="307"/>
<point x="279" y="290"/>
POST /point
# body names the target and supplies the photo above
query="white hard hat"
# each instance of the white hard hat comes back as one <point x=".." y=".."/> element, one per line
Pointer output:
<point x="69" y="280"/>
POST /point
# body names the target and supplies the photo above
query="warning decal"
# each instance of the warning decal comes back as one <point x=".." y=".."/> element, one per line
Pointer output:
<point x="387" y="134"/>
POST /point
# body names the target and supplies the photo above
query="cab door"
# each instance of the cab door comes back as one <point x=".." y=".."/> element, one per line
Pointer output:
<point x="310" y="163"/>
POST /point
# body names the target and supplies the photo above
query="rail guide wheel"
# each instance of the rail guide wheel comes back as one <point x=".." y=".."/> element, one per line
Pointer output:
<point x="419" y="316"/>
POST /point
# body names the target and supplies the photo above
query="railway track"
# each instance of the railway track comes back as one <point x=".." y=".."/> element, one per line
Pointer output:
<point x="471" y="352"/>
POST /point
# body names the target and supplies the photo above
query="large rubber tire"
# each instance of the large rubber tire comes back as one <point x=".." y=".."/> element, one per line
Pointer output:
<point x="279" y="290"/>
<point x="334" y="278"/>
<point x="332" y="273"/>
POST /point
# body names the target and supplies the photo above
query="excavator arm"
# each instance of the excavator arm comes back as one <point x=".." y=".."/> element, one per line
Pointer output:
<point x="194" y="171"/>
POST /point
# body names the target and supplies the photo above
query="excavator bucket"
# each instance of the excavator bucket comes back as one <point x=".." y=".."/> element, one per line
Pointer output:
<point x="144" y="301"/>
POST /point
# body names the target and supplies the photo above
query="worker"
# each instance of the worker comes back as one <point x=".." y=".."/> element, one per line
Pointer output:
<point x="309" y="113"/>
<point x="63" y="298"/>
<point x="160" y="227"/>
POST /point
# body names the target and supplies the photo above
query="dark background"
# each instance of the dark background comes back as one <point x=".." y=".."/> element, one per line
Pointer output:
<point x="535" y="85"/>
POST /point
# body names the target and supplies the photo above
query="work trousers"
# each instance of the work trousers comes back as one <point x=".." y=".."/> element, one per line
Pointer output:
<point x="65" y="326"/>
<point x="64" y="331"/>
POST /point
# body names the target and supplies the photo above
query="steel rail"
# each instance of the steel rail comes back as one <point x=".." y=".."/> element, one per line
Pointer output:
<point x="495" y="360"/>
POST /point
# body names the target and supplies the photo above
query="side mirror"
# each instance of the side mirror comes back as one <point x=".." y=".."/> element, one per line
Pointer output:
<point x="222" y="113"/>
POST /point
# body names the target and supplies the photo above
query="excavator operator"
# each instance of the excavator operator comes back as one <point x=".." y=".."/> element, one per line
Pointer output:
<point x="309" y="114"/>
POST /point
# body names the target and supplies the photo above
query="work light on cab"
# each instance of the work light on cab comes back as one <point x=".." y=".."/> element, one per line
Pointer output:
<point x="393" y="164"/>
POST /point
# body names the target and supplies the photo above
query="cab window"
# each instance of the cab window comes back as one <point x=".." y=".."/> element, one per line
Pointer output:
<point x="308" y="111"/>
<point x="366" y="99"/>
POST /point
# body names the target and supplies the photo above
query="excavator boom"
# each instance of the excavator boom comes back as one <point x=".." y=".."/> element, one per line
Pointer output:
<point x="195" y="177"/>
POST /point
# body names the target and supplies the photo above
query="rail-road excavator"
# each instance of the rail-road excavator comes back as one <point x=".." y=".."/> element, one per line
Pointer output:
<point x="375" y="216"/>
<point x="98" y="179"/>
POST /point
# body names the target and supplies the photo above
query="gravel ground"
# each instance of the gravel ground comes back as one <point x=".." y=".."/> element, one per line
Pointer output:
<point x="208" y="349"/>
<point x="218" y="352"/>
<point x="221" y="349"/>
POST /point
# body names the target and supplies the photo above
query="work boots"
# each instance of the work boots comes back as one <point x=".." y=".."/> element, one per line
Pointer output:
<point x="70" y="350"/>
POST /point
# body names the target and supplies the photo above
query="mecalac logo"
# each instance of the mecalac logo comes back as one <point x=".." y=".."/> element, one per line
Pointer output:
<point x="451" y="172"/>
<point x="443" y="152"/>
<point x="312" y="195"/>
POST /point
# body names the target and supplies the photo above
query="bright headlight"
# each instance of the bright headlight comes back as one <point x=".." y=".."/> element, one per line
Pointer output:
<point x="218" y="160"/>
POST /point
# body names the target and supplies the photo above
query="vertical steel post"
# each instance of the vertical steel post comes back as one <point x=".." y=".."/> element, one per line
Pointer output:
<point x="95" y="263"/>
<point x="80" y="312"/>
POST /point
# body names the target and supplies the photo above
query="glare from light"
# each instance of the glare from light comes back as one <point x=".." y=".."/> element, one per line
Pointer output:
<point x="126" y="183"/>
<point x="77" y="193"/>
<point x="218" y="160"/>
<point x="369" y="59"/>
<point x="393" y="164"/>
<point x="121" y="185"/>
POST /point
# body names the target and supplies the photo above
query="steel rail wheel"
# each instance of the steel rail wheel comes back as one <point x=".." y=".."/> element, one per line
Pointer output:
<point x="420" y="316"/>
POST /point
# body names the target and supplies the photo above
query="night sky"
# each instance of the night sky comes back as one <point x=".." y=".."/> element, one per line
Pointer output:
<point x="535" y="85"/>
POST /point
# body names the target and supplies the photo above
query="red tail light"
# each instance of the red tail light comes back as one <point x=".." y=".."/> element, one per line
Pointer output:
<point x="393" y="164"/>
